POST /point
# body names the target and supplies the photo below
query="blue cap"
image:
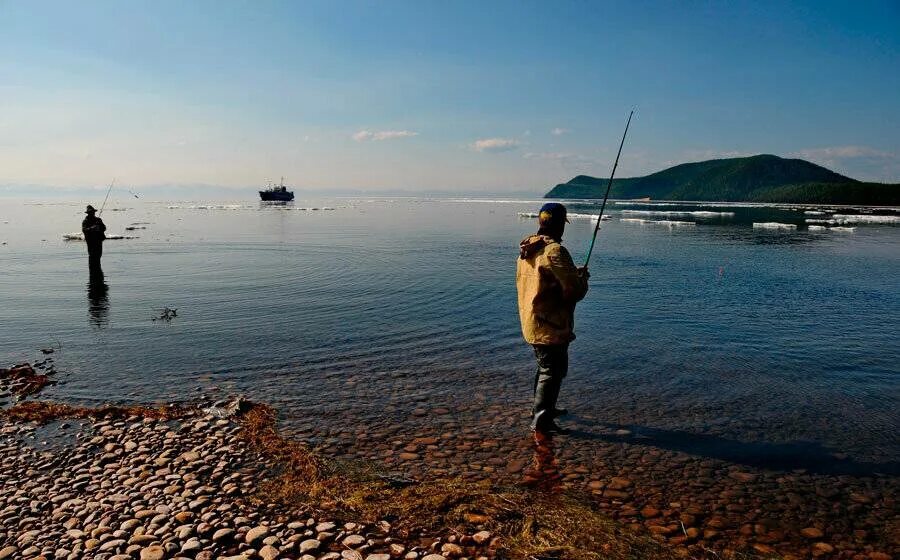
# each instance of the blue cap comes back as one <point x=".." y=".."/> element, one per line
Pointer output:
<point x="552" y="212"/>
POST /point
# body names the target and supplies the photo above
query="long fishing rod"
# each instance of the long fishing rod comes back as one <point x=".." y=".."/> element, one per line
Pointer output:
<point x="107" y="196"/>
<point x="608" y="187"/>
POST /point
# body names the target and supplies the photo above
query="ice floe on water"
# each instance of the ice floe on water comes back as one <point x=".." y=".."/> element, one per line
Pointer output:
<point x="844" y="229"/>
<point x="693" y="213"/>
<point x="246" y="207"/>
<point x="814" y="212"/>
<point x="208" y="207"/>
<point x="865" y="219"/>
<point x="817" y="228"/>
<point x="773" y="225"/>
<point x="819" y="221"/>
<point x="669" y="223"/>
<point x="78" y="236"/>
<point x="571" y="216"/>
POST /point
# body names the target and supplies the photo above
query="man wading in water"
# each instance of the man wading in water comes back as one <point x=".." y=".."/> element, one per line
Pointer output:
<point x="92" y="227"/>
<point x="549" y="286"/>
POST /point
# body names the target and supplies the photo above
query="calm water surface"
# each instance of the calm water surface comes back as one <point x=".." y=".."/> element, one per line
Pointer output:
<point x="368" y="311"/>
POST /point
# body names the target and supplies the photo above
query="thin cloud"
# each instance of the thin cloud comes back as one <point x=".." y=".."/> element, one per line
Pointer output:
<point x="703" y="155"/>
<point x="859" y="162"/>
<point x="840" y="152"/>
<point x="377" y="135"/>
<point x="564" y="159"/>
<point x="495" y="145"/>
<point x="559" y="131"/>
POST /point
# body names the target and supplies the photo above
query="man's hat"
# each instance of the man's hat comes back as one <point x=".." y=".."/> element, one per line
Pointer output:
<point x="90" y="209"/>
<point x="552" y="213"/>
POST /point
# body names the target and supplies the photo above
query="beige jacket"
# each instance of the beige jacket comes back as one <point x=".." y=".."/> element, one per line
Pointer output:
<point x="549" y="286"/>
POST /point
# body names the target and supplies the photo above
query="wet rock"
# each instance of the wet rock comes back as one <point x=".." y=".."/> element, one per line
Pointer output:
<point x="811" y="533"/>
<point x="649" y="512"/>
<point x="620" y="483"/>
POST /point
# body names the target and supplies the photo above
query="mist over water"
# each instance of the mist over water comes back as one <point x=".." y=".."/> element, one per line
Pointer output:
<point x="364" y="312"/>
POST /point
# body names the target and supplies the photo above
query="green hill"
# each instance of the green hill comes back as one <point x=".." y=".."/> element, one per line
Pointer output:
<point x="762" y="178"/>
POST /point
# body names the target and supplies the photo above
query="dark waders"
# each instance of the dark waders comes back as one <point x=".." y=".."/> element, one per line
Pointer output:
<point x="553" y="364"/>
<point x="95" y="252"/>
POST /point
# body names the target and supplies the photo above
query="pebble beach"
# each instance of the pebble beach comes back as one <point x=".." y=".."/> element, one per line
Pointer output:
<point x="153" y="488"/>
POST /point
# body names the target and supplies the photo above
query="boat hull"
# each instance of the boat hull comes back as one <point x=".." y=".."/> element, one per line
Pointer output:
<point x="276" y="196"/>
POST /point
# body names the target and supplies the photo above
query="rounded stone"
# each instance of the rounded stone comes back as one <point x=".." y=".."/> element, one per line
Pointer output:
<point x="256" y="534"/>
<point x="812" y="533"/>
<point x="353" y="540"/>
<point x="309" y="545"/>
<point x="153" y="552"/>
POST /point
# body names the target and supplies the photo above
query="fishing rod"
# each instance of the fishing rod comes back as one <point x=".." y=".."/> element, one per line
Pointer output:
<point x="608" y="187"/>
<point x="107" y="196"/>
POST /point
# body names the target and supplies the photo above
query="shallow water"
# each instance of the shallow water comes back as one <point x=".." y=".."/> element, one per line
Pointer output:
<point x="381" y="320"/>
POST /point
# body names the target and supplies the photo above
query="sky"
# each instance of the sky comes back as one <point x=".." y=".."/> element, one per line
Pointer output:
<point x="473" y="97"/>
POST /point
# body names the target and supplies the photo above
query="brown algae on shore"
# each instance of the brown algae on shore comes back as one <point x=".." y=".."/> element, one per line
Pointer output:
<point x="526" y="523"/>
<point x="41" y="412"/>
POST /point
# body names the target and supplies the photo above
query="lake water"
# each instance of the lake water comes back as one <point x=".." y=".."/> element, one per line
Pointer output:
<point x="377" y="321"/>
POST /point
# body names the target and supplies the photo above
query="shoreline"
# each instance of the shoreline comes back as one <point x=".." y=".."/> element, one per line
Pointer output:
<point x="176" y="482"/>
<point x="228" y="476"/>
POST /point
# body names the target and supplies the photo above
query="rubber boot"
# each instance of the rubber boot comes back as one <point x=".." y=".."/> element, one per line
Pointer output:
<point x="546" y="392"/>
<point x="554" y="412"/>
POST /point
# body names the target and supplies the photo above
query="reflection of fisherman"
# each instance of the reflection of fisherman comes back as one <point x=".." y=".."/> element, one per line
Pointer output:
<point x="98" y="298"/>
<point x="544" y="472"/>
<point x="549" y="286"/>
<point x="92" y="227"/>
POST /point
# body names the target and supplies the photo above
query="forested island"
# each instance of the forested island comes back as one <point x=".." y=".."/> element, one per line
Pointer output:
<point x="761" y="178"/>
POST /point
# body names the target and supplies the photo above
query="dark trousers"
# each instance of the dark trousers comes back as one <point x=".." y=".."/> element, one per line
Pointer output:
<point x="553" y="364"/>
<point x="95" y="252"/>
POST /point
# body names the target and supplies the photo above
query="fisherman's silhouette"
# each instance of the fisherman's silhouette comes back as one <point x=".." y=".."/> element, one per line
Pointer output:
<point x="93" y="230"/>
<point x="98" y="299"/>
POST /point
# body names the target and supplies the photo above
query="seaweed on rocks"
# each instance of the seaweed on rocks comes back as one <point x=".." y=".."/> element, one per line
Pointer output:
<point x="23" y="380"/>
<point x="522" y="523"/>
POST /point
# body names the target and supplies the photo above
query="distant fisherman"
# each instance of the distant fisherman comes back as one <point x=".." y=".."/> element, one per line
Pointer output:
<point x="549" y="286"/>
<point x="93" y="227"/>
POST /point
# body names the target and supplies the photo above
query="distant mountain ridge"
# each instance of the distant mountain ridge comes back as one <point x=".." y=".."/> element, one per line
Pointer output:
<point x="761" y="178"/>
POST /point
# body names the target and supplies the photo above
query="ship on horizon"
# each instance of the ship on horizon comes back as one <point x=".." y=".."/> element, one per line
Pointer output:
<point x="277" y="193"/>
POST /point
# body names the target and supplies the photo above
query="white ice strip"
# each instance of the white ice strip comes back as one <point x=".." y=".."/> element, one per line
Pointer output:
<point x="814" y="212"/>
<point x="592" y="217"/>
<point x="866" y="219"/>
<point x="844" y="229"/>
<point x="819" y="221"/>
<point x="573" y="216"/>
<point x="817" y="228"/>
<point x="669" y="223"/>
<point x="694" y="213"/>
<point x="209" y="207"/>
<point x="80" y="236"/>
<point x="773" y="225"/>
